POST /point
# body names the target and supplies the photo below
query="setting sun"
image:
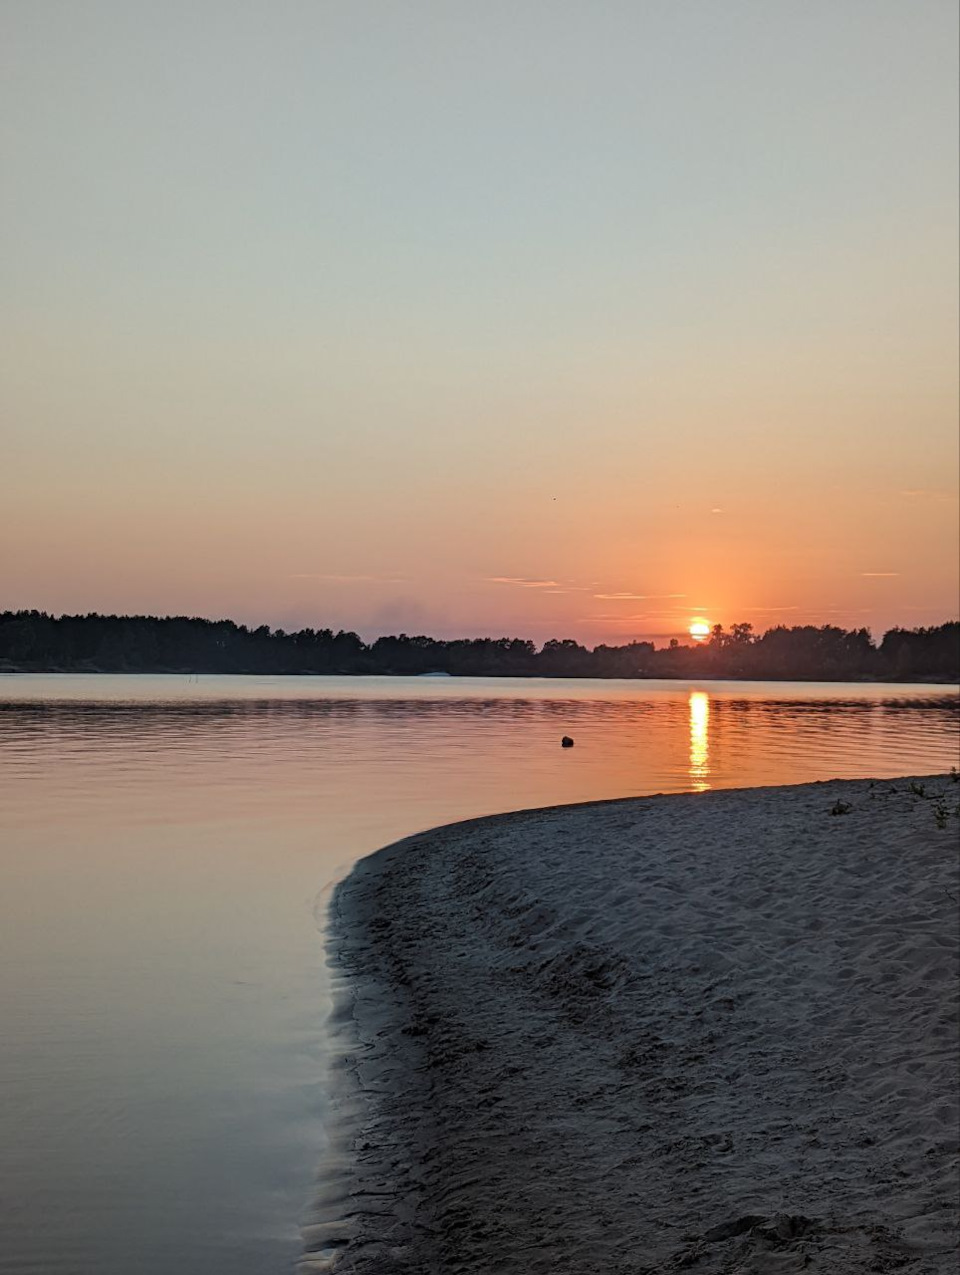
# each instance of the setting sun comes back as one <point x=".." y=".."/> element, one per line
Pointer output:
<point x="699" y="629"/>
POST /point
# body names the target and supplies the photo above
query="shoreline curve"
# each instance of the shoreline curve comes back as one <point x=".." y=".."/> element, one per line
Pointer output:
<point x="713" y="1029"/>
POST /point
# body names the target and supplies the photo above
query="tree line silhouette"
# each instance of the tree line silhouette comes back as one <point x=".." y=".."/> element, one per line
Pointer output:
<point x="34" y="641"/>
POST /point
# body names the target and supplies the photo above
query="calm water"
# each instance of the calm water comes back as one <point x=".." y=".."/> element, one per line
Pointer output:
<point x="165" y="845"/>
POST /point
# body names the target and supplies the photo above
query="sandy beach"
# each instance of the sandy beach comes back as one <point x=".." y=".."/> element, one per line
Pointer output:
<point x="713" y="1031"/>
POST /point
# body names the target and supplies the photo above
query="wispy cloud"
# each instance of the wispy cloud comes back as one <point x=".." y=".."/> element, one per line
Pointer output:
<point x="637" y="597"/>
<point x="926" y="493"/>
<point x="524" y="582"/>
<point x="879" y="575"/>
<point x="346" y="579"/>
<point x="618" y="618"/>
<point x="571" y="586"/>
<point x="764" y="610"/>
<point x="718" y="511"/>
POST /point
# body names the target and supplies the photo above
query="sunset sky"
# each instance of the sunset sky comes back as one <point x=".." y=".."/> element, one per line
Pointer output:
<point x="544" y="318"/>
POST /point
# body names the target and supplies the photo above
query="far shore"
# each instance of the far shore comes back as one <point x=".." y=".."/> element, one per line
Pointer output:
<point x="713" y="1031"/>
<point x="40" y="642"/>
<point x="90" y="670"/>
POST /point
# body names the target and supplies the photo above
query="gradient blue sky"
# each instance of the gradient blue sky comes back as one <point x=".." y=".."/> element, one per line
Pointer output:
<point x="552" y="319"/>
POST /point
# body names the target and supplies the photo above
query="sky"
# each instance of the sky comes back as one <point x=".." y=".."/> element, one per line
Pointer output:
<point x="550" y="319"/>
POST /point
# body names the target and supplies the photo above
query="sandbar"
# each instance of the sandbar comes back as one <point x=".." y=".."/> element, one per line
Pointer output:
<point x="714" y="1031"/>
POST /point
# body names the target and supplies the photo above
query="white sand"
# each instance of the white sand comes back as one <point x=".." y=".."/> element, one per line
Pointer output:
<point x="714" y="1031"/>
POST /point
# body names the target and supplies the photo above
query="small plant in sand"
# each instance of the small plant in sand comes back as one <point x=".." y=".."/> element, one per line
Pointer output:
<point x="941" y="812"/>
<point x="840" y="807"/>
<point x="918" y="790"/>
<point x="954" y="775"/>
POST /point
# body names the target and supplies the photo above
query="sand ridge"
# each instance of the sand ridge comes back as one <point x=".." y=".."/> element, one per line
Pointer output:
<point x="713" y="1031"/>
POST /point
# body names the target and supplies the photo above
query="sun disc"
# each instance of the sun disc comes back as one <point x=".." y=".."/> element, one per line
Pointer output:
<point x="699" y="629"/>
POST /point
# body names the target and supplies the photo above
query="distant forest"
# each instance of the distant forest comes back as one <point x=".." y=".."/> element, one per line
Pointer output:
<point x="33" y="641"/>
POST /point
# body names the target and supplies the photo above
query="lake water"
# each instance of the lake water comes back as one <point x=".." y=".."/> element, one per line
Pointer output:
<point x="167" y="845"/>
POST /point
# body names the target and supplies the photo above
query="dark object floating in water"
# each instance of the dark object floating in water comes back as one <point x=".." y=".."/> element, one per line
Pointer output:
<point x="566" y="742"/>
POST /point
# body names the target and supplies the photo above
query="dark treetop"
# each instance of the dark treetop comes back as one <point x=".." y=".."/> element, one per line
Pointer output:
<point x="33" y="641"/>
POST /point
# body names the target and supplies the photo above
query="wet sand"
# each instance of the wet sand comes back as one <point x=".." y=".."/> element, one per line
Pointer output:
<point x="713" y="1031"/>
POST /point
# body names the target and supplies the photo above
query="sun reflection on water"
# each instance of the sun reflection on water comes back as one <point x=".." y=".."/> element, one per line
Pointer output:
<point x="699" y="740"/>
